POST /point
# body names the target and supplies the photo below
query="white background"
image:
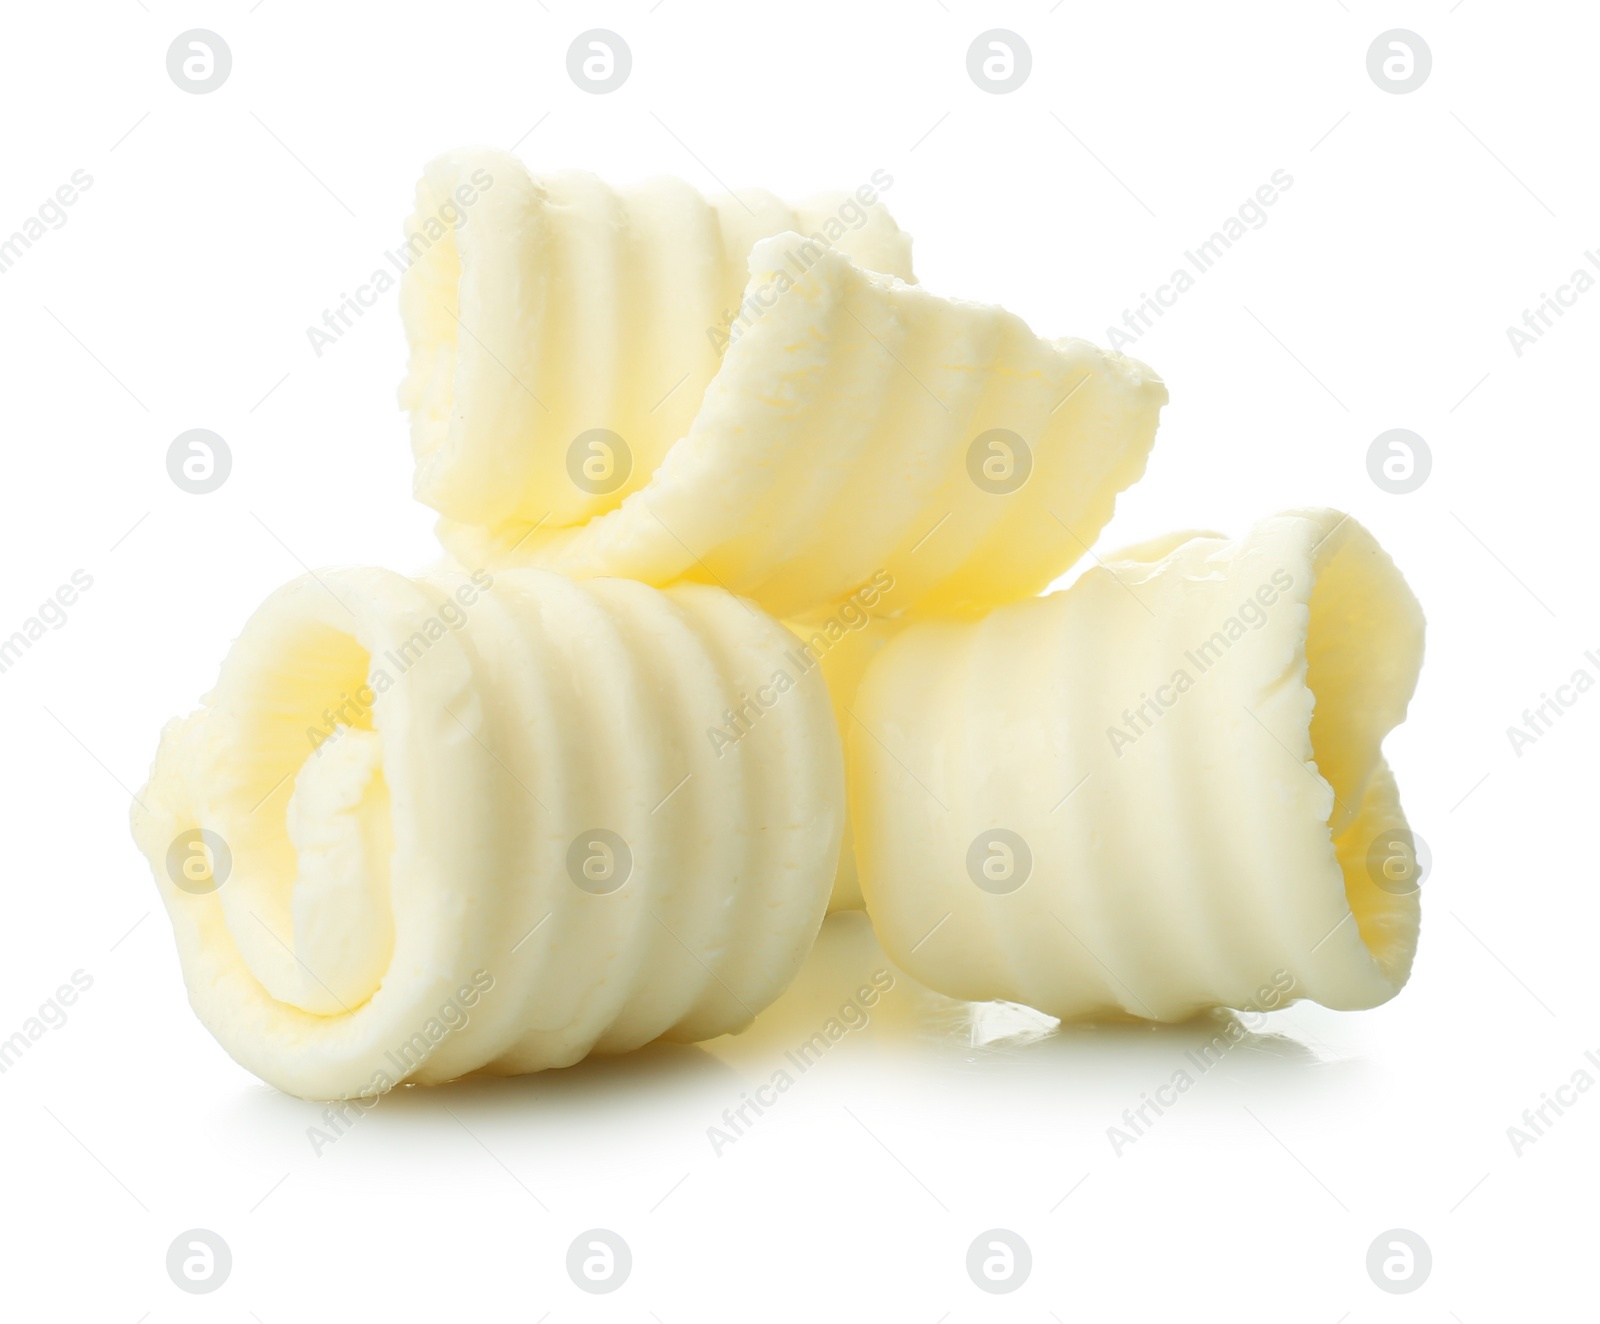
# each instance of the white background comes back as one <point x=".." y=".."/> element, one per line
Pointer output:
<point x="219" y="227"/>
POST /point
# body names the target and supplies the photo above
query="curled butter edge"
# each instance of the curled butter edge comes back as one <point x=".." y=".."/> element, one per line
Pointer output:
<point x="479" y="824"/>
<point x="1157" y="791"/>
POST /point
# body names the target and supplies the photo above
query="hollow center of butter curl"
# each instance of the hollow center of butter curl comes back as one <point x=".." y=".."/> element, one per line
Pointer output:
<point x="338" y="820"/>
<point x="309" y="904"/>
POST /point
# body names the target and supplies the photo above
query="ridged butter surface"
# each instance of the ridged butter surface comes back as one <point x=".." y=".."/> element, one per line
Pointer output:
<point x="487" y="826"/>
<point x="1154" y="792"/>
